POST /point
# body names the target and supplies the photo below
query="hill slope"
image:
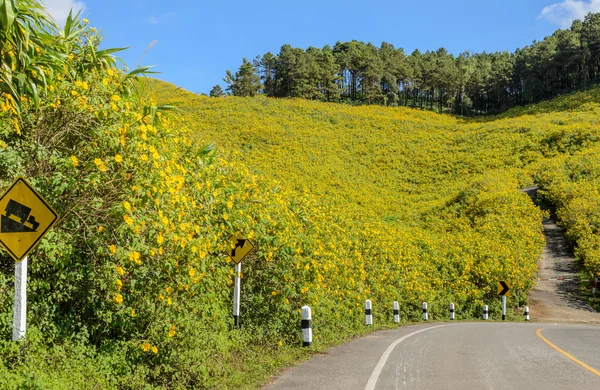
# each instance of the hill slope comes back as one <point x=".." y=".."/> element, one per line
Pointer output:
<point x="392" y="163"/>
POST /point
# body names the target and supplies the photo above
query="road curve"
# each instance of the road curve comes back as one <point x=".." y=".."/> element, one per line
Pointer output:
<point x="478" y="355"/>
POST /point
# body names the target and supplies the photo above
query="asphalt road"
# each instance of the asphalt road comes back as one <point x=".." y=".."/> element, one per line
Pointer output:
<point x="479" y="355"/>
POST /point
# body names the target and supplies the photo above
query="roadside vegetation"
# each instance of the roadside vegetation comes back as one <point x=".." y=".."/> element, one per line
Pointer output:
<point x="133" y="289"/>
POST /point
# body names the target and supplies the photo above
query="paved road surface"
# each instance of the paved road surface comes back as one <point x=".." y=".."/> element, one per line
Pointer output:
<point x="457" y="356"/>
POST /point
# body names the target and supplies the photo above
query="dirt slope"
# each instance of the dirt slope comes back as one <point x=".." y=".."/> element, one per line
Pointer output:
<point x="556" y="298"/>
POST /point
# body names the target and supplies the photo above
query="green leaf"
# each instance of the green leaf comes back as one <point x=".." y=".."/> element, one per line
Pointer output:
<point x="7" y="14"/>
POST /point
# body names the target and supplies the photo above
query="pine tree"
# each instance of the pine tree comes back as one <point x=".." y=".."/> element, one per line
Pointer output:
<point x="245" y="82"/>
<point x="217" y="91"/>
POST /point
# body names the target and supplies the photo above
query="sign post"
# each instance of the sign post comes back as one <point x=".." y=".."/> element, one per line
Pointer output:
<point x="240" y="248"/>
<point x="236" y="296"/>
<point x="25" y="217"/>
<point x="20" y="308"/>
<point x="503" y="291"/>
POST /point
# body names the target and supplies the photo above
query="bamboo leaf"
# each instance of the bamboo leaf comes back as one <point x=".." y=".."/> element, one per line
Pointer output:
<point x="7" y="14"/>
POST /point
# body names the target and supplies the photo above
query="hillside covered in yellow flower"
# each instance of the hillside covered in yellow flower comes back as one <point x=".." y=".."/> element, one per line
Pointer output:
<point x="388" y="163"/>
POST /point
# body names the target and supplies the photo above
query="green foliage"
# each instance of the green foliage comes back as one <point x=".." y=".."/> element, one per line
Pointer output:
<point x="217" y="91"/>
<point x="469" y="84"/>
<point x="246" y="81"/>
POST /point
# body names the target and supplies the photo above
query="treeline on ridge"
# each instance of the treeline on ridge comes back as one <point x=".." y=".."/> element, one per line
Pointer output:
<point x="468" y="84"/>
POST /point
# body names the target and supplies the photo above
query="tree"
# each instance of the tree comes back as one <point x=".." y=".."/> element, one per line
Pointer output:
<point x="470" y="84"/>
<point x="217" y="91"/>
<point x="246" y="81"/>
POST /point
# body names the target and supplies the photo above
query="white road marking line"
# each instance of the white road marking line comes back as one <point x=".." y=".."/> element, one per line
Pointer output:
<point x="377" y="370"/>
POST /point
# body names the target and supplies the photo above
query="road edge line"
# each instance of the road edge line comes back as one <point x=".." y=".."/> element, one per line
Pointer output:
<point x="565" y="353"/>
<point x="379" y="367"/>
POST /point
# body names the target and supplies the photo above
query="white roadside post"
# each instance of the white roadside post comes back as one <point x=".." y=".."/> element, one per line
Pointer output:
<point x="306" y="326"/>
<point x="503" y="307"/>
<point x="452" y="311"/>
<point x="485" y="312"/>
<point x="526" y="313"/>
<point x="396" y="312"/>
<point x="368" y="312"/>
<point x="236" y="295"/>
<point x="425" y="315"/>
<point x="20" y="308"/>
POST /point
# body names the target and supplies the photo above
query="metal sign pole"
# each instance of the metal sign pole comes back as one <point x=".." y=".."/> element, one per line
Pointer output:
<point x="20" y="308"/>
<point x="236" y="295"/>
<point x="503" y="307"/>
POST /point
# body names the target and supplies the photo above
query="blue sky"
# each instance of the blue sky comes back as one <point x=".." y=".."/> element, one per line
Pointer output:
<point x="197" y="41"/>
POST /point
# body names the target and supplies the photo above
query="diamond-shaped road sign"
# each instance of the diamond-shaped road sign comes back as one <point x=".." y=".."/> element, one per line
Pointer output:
<point x="240" y="247"/>
<point x="503" y="288"/>
<point x="24" y="219"/>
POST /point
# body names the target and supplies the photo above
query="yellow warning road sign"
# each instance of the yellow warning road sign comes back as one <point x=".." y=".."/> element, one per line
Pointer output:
<point x="239" y="248"/>
<point x="503" y="288"/>
<point x="24" y="219"/>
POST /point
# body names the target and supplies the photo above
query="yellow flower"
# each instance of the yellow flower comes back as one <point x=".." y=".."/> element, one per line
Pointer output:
<point x="119" y="158"/>
<point x="100" y="229"/>
<point x="118" y="298"/>
<point x="112" y="249"/>
<point x="120" y="270"/>
<point x="100" y="164"/>
<point x="192" y="272"/>
<point x="154" y="350"/>
<point x="119" y="284"/>
<point x="85" y="21"/>
<point x="126" y="206"/>
<point x="128" y="220"/>
<point x="169" y="290"/>
<point x="169" y="301"/>
<point x="160" y="239"/>
<point x="133" y="312"/>
<point x="172" y="331"/>
<point x="135" y="257"/>
<point x="280" y="344"/>
<point x="74" y="160"/>
<point x="115" y="98"/>
<point x="145" y="347"/>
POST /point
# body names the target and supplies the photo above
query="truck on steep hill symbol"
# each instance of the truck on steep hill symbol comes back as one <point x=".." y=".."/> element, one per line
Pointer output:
<point x="21" y="212"/>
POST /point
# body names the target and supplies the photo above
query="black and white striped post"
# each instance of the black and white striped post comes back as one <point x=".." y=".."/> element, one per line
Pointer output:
<point x="368" y="312"/>
<point x="503" y="307"/>
<point x="485" y="312"/>
<point x="526" y="313"/>
<point x="452" y="311"/>
<point x="236" y="296"/>
<point x="306" y="326"/>
<point x="425" y="315"/>
<point x="396" y="312"/>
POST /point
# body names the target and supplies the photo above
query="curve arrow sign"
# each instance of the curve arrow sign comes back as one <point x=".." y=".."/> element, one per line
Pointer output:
<point x="503" y="288"/>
